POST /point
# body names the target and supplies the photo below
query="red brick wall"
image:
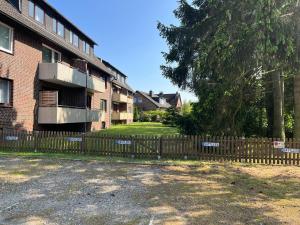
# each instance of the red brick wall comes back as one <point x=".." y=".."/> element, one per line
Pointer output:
<point x="21" y="67"/>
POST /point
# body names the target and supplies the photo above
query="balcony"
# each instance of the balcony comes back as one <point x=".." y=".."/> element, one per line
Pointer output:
<point x="121" y="116"/>
<point x="119" y="97"/>
<point x="130" y="100"/>
<point x="63" y="115"/>
<point x="52" y="113"/>
<point x="58" y="73"/>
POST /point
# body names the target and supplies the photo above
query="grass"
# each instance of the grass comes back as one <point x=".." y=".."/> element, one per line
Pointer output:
<point x="146" y="128"/>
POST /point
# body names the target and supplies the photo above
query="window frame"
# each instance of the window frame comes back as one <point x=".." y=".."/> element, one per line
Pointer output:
<point x="54" y="21"/>
<point x="75" y="35"/>
<point x="34" y="12"/>
<point x="103" y="105"/>
<point x="52" y="53"/>
<point x="11" y="39"/>
<point x="63" y="32"/>
<point x="10" y="94"/>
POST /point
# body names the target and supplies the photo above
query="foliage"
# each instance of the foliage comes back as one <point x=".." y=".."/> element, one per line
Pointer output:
<point x="136" y="114"/>
<point x="186" y="108"/>
<point x="171" y="117"/>
<point x="153" y="116"/>
<point x="225" y="52"/>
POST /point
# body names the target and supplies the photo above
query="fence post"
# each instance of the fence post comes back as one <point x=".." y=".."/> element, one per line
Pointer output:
<point x="35" y="141"/>
<point x="132" y="147"/>
<point x="82" y="145"/>
<point x="160" y="147"/>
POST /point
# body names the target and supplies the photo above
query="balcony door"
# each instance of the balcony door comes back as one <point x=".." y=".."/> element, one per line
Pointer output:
<point x="50" y="55"/>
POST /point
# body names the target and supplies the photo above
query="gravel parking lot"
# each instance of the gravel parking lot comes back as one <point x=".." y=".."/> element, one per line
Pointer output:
<point x="51" y="191"/>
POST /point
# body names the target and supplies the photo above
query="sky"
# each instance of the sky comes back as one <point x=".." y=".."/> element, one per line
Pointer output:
<point x="127" y="36"/>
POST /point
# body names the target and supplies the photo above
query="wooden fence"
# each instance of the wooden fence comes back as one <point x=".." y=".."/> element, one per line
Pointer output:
<point x="250" y="150"/>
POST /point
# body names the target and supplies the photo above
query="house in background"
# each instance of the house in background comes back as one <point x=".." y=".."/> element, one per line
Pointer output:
<point x="122" y="97"/>
<point x="50" y="77"/>
<point x="150" y="101"/>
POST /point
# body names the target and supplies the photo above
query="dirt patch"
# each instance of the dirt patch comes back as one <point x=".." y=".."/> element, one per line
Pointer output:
<point x="74" y="192"/>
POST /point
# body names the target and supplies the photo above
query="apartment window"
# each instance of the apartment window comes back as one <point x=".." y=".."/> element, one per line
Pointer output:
<point x="60" y="29"/>
<point x="6" y="38"/>
<point x="50" y="55"/>
<point x="36" y="12"/>
<point x="39" y="14"/>
<point x="87" y="48"/>
<point x="5" y="92"/>
<point x="75" y="40"/>
<point x="54" y="25"/>
<point x="31" y="9"/>
<point x="71" y="37"/>
<point x="103" y="105"/>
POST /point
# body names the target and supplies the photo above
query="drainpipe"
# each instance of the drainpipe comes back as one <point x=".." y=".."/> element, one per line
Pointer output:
<point x="110" y="102"/>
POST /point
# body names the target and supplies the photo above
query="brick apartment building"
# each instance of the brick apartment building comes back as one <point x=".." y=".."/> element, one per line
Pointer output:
<point x="122" y="97"/>
<point x="50" y="78"/>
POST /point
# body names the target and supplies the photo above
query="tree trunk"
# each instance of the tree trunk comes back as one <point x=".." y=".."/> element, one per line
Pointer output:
<point x="278" y="98"/>
<point x="297" y="106"/>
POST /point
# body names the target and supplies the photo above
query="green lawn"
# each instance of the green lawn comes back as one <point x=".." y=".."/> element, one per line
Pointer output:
<point x="141" y="129"/>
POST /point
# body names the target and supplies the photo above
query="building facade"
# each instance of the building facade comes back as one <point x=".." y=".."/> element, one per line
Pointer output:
<point x="122" y="97"/>
<point x="50" y="78"/>
<point x="150" y="101"/>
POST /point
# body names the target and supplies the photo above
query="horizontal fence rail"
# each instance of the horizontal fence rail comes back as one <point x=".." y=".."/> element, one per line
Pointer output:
<point x="249" y="150"/>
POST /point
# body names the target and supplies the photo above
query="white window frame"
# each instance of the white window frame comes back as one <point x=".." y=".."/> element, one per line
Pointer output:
<point x="9" y="94"/>
<point x="52" y="53"/>
<point x="11" y="39"/>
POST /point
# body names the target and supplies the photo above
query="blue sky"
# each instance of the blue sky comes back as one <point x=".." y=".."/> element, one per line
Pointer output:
<point x="126" y="33"/>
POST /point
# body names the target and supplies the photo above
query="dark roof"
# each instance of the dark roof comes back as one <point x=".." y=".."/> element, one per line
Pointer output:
<point x="68" y="21"/>
<point x="147" y="96"/>
<point x="11" y="12"/>
<point x="112" y="67"/>
<point x="123" y="85"/>
<point x="172" y="99"/>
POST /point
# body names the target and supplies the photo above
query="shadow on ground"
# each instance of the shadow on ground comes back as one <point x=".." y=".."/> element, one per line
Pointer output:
<point x="74" y="192"/>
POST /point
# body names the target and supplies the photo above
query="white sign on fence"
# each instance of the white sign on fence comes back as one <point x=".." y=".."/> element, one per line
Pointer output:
<point x="290" y="150"/>
<point x="73" y="139"/>
<point x="11" y="138"/>
<point x="210" y="144"/>
<point x="279" y="144"/>
<point x="123" y="142"/>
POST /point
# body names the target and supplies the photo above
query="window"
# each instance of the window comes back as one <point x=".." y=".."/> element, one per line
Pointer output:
<point x="140" y="100"/>
<point x="103" y="105"/>
<point x="39" y="14"/>
<point x="60" y="29"/>
<point x="71" y="37"/>
<point x="6" y="38"/>
<point x="50" y="55"/>
<point x="5" y="92"/>
<point x="54" y="25"/>
<point x="31" y="9"/>
<point x="36" y="12"/>
<point x="75" y="40"/>
<point x="134" y="100"/>
<point x="87" y="48"/>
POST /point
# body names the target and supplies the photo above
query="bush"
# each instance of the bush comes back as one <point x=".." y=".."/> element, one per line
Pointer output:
<point x="152" y="116"/>
<point x="171" y="117"/>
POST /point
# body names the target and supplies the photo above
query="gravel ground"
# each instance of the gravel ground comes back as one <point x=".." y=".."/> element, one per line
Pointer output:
<point x="42" y="191"/>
